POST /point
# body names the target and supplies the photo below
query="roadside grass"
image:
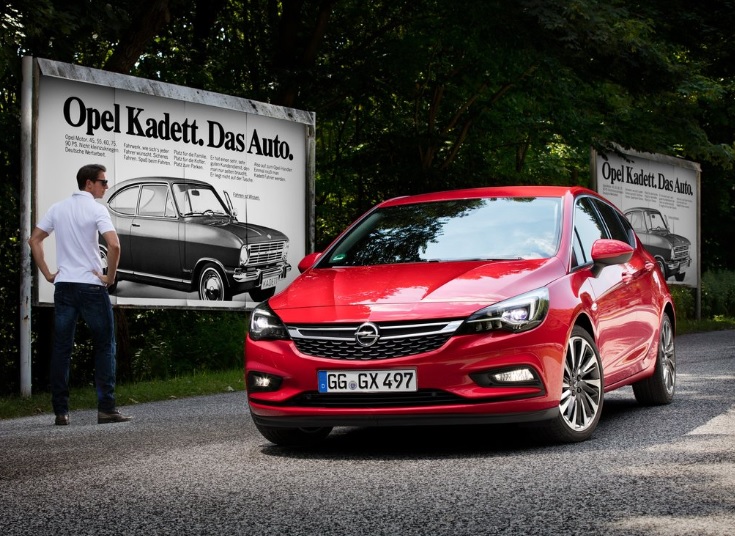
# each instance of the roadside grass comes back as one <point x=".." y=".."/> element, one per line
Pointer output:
<point x="213" y="382"/>
<point x="129" y="394"/>
<point x="718" y="323"/>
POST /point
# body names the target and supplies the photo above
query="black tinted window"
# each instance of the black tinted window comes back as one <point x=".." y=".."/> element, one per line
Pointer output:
<point x="588" y="228"/>
<point x="612" y="221"/>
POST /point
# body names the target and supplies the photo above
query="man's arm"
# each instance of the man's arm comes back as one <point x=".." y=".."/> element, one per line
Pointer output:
<point x="36" y="242"/>
<point x="113" y="257"/>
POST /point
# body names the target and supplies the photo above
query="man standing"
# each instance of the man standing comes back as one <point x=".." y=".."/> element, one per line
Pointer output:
<point x="81" y="288"/>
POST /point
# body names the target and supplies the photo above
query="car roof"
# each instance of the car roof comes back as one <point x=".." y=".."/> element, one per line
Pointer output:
<point x="492" y="191"/>
<point x="168" y="180"/>
<point x="649" y="209"/>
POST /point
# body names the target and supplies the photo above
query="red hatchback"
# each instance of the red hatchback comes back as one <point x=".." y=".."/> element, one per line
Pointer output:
<point x="519" y="304"/>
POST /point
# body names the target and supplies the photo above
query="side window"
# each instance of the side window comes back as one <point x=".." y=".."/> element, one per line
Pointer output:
<point x="636" y="220"/>
<point x="170" y="207"/>
<point x="612" y="221"/>
<point x="125" y="201"/>
<point x="153" y="200"/>
<point x="587" y="229"/>
<point x="629" y="232"/>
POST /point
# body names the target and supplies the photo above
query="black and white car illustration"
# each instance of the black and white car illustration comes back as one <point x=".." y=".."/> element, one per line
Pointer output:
<point x="670" y="250"/>
<point x="180" y="234"/>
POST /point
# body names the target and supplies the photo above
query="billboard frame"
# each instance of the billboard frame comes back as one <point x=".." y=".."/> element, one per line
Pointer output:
<point x="36" y="69"/>
<point x="664" y="160"/>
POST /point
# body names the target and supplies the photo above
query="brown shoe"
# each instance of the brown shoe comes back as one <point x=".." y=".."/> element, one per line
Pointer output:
<point x="62" y="419"/>
<point x="105" y="417"/>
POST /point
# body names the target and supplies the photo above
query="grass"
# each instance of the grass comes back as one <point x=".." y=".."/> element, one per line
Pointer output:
<point x="200" y="383"/>
<point x="718" y="323"/>
<point x="208" y="383"/>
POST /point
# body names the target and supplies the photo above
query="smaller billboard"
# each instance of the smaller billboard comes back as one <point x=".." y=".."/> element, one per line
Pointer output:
<point x="659" y="195"/>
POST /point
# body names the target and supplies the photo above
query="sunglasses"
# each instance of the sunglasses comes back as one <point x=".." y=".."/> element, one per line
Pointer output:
<point x="103" y="181"/>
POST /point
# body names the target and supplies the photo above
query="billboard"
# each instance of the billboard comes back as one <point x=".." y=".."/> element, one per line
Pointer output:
<point x="210" y="194"/>
<point x="660" y="197"/>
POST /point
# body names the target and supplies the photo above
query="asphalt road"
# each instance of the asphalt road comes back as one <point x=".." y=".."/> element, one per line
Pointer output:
<point x="198" y="466"/>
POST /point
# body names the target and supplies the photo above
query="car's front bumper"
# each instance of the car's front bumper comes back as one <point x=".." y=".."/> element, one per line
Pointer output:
<point x="447" y="393"/>
<point x="317" y="421"/>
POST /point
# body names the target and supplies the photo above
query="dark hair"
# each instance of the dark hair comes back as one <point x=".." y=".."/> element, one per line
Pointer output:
<point x="88" y="173"/>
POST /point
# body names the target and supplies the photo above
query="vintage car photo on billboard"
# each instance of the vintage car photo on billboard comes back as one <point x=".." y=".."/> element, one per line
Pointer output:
<point x="670" y="250"/>
<point x="180" y="234"/>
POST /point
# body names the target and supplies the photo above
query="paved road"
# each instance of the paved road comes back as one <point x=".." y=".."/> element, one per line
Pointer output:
<point x="198" y="466"/>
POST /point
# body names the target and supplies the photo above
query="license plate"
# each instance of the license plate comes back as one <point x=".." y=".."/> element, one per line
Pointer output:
<point x="269" y="282"/>
<point x="367" y="381"/>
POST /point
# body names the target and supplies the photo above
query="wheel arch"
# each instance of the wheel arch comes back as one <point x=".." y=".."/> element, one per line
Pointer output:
<point x="199" y="266"/>
<point x="585" y="323"/>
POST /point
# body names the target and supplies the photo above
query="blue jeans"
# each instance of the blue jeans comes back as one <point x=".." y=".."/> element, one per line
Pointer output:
<point x="92" y="302"/>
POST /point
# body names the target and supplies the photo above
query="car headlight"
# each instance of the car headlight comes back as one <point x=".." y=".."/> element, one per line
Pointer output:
<point x="244" y="255"/>
<point x="516" y="314"/>
<point x="285" y="250"/>
<point x="265" y="324"/>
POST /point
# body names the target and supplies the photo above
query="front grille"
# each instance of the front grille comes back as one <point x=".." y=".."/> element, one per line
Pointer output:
<point x="394" y="340"/>
<point x="681" y="253"/>
<point x="266" y="252"/>
<point x="426" y="397"/>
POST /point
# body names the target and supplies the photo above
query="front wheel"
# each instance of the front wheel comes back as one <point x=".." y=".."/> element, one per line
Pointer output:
<point x="658" y="389"/>
<point x="212" y="284"/>
<point x="582" y="395"/>
<point x="294" y="437"/>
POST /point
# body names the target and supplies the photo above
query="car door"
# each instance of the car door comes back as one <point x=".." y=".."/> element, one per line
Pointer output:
<point x="615" y="303"/>
<point x="123" y="207"/>
<point x="637" y="295"/>
<point x="154" y="234"/>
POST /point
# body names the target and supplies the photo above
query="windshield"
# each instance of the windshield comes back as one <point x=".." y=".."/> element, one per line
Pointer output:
<point x="456" y="230"/>
<point x="194" y="200"/>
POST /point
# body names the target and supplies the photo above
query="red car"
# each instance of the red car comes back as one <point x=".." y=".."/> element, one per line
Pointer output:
<point x="488" y="305"/>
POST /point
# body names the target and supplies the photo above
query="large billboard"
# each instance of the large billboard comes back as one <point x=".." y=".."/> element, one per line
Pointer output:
<point x="209" y="193"/>
<point x="659" y="195"/>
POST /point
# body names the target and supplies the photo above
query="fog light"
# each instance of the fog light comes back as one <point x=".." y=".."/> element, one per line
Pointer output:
<point x="514" y="376"/>
<point x="261" y="382"/>
<point x="521" y="376"/>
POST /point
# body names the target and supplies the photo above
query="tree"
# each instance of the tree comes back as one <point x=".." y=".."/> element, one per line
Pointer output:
<point x="416" y="95"/>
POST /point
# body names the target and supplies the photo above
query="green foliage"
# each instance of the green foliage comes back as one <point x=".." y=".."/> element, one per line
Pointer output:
<point x="168" y="343"/>
<point x="684" y="302"/>
<point x="718" y="293"/>
<point x="410" y="97"/>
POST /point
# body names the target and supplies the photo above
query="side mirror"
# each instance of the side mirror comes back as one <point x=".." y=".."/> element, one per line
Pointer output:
<point x="608" y="252"/>
<point x="308" y="261"/>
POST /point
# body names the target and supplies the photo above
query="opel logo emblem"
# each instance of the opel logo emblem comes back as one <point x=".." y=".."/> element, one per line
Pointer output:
<point x="367" y="334"/>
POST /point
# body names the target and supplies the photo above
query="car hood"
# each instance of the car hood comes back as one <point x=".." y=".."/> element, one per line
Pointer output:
<point x="247" y="232"/>
<point x="675" y="239"/>
<point x="409" y="291"/>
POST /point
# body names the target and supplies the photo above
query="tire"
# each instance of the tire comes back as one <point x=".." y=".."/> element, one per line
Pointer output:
<point x="259" y="294"/>
<point x="662" y="267"/>
<point x="294" y="437"/>
<point x="582" y="392"/>
<point x="103" y="255"/>
<point x="679" y="277"/>
<point x="212" y="284"/>
<point x="659" y="388"/>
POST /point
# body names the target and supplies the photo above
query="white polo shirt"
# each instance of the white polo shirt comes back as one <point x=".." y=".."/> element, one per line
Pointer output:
<point x="78" y="222"/>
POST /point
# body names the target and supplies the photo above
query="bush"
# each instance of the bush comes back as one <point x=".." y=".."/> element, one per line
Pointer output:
<point x="684" y="301"/>
<point x="718" y="293"/>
